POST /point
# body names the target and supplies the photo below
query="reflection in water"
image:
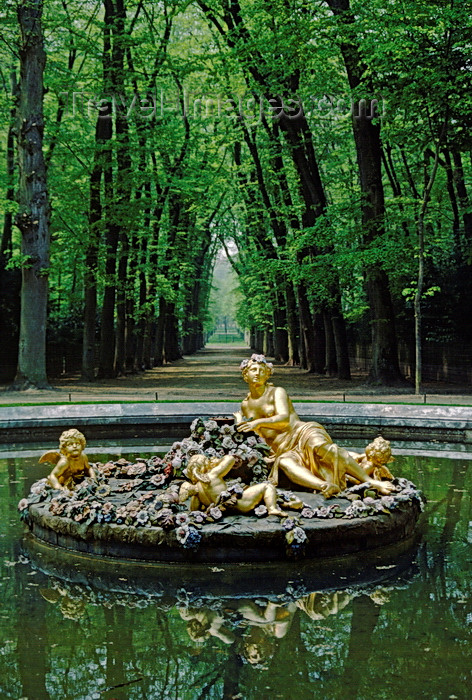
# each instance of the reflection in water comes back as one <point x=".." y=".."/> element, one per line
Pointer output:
<point x="32" y="643"/>
<point x="254" y="627"/>
<point x="242" y="631"/>
<point x="391" y="632"/>
<point x="212" y="639"/>
<point x="70" y="608"/>
<point x="365" y="614"/>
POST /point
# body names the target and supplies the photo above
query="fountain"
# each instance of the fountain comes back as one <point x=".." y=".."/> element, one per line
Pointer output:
<point x="259" y="486"/>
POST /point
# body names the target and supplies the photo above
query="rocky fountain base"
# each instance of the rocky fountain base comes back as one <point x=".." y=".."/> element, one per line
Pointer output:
<point x="132" y="511"/>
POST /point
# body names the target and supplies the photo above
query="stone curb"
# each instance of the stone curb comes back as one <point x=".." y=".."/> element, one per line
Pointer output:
<point x="128" y="420"/>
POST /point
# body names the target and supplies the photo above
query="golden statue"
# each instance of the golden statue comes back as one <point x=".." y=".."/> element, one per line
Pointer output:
<point x="303" y="451"/>
<point x="72" y="465"/>
<point x="377" y="455"/>
<point x="207" y="484"/>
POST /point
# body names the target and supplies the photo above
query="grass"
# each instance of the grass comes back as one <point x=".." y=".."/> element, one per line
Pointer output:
<point x="191" y="401"/>
<point x="87" y="403"/>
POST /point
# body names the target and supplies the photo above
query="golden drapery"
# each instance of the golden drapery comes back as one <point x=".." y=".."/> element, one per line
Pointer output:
<point x="310" y="444"/>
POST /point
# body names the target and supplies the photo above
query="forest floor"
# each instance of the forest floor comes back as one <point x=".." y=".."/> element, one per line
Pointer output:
<point x="213" y="375"/>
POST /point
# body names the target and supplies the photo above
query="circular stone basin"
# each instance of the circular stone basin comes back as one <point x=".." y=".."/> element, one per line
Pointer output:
<point x="333" y="527"/>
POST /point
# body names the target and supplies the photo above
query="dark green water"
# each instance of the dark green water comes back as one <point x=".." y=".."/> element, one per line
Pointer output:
<point x="69" y="634"/>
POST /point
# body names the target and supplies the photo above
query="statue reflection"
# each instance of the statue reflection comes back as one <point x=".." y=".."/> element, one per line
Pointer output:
<point x="260" y="633"/>
<point x="260" y="624"/>
<point x="203" y="623"/>
<point x="255" y="628"/>
<point x="71" y="608"/>
<point x="318" y="606"/>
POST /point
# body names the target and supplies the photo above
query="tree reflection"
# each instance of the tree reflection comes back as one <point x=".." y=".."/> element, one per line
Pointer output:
<point x="365" y="615"/>
<point x="32" y="643"/>
<point x="119" y="651"/>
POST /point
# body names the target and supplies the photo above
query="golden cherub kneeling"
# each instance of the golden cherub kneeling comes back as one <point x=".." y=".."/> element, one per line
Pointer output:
<point x="72" y="465"/>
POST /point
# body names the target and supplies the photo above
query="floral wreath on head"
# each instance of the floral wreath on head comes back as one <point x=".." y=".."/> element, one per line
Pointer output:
<point x="256" y="359"/>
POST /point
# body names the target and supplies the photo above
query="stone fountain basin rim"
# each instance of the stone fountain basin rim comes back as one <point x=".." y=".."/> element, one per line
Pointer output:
<point x="24" y="422"/>
<point x="47" y="414"/>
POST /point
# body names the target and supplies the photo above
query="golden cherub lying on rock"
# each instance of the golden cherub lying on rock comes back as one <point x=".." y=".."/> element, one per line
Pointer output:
<point x="207" y="485"/>
<point x="72" y="465"/>
<point x="375" y="459"/>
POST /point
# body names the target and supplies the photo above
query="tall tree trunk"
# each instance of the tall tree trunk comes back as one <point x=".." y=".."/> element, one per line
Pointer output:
<point x="293" y="325"/>
<point x="106" y="365"/>
<point x="172" y="350"/>
<point x="428" y="186"/>
<point x="385" y="368"/>
<point x="140" y="325"/>
<point x="6" y="242"/>
<point x="123" y="187"/>
<point x="33" y="214"/>
<point x="159" y="334"/>
<point x="451" y="190"/>
<point x="153" y="330"/>
<point x="90" y="315"/>
<point x="308" y="361"/>
<point x="102" y="133"/>
<point x="319" y="342"/>
<point x="280" y="328"/>
<point x="122" y="285"/>
<point x="283" y="199"/>
<point x="298" y="136"/>
<point x="101" y="167"/>
<point x="391" y="171"/>
<point x="461" y="188"/>
<point x="331" y="366"/>
<point x="342" y="350"/>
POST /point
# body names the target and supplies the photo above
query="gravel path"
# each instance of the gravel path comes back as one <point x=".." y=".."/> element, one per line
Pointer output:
<point x="213" y="375"/>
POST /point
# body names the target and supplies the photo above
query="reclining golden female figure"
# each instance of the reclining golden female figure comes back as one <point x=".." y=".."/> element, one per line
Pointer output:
<point x="303" y="451"/>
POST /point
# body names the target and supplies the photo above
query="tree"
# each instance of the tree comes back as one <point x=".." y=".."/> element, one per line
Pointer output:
<point x="33" y="214"/>
<point x="384" y="367"/>
<point x="318" y="203"/>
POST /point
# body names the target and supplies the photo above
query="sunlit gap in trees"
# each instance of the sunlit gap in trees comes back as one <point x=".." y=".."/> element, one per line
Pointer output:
<point x="225" y="303"/>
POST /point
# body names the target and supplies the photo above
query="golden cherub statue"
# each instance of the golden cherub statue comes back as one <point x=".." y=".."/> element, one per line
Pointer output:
<point x="72" y="465"/>
<point x="207" y="484"/>
<point x="377" y="455"/>
<point x="303" y="451"/>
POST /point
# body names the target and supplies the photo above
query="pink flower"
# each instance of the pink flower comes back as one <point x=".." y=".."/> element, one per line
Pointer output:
<point x="215" y="513"/>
